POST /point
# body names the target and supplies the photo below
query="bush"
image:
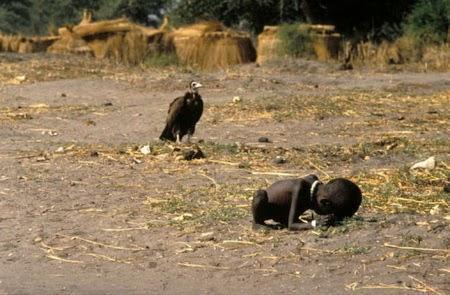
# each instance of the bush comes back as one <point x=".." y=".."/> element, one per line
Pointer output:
<point x="295" y="40"/>
<point x="429" y="21"/>
<point x="160" y="60"/>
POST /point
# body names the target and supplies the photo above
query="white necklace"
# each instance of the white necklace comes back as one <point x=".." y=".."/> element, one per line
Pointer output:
<point x="313" y="188"/>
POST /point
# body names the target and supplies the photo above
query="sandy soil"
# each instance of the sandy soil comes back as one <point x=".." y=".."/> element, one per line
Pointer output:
<point x="82" y="211"/>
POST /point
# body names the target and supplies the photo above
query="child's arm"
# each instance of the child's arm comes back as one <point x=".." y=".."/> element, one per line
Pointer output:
<point x="293" y="211"/>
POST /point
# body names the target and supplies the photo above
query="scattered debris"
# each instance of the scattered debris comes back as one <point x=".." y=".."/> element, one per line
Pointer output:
<point x="279" y="160"/>
<point x="59" y="150"/>
<point x="429" y="163"/>
<point x="94" y="154"/>
<point x="49" y="132"/>
<point x="208" y="236"/>
<point x="145" y="150"/>
<point x="436" y="210"/>
<point x="183" y="217"/>
<point x="263" y="139"/>
<point x="447" y="188"/>
<point x="192" y="153"/>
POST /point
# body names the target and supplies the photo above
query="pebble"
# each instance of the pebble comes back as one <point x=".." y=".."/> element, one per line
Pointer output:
<point x="279" y="160"/>
<point x="263" y="139"/>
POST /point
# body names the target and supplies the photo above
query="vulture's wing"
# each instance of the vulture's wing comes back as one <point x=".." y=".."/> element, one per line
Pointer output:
<point x="175" y="108"/>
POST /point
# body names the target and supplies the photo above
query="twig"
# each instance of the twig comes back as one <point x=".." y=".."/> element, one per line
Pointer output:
<point x="212" y="180"/>
<point x="318" y="168"/>
<point x="55" y="248"/>
<point x="397" y="267"/>
<point x="101" y="244"/>
<point x="265" y="269"/>
<point x="425" y="286"/>
<point x="107" y="258"/>
<point x="417" y="249"/>
<point x="387" y="286"/>
<point x="317" y="250"/>
<point x="51" y="256"/>
<point x="187" y="264"/>
<point x="421" y="202"/>
<point x="273" y="173"/>
<point x="124" y="229"/>
<point x="223" y="162"/>
<point x="240" y="242"/>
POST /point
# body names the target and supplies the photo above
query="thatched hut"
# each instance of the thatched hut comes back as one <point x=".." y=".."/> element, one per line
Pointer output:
<point x="209" y="45"/>
<point x="326" y="43"/>
<point x="21" y="44"/>
<point x="117" y="39"/>
<point x="268" y="44"/>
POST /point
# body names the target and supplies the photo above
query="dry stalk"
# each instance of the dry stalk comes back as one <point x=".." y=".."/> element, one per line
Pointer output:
<point x="416" y="248"/>
<point x="51" y="256"/>
<point x="104" y="257"/>
<point x="101" y="244"/>
<point x="187" y="264"/>
<point x="425" y="286"/>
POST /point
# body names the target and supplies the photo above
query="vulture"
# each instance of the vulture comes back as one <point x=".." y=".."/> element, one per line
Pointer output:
<point x="184" y="112"/>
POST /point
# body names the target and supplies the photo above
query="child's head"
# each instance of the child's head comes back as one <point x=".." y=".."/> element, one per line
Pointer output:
<point x="340" y="197"/>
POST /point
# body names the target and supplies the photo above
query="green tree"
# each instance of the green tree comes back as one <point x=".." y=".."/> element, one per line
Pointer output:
<point x="252" y="14"/>
<point x="137" y="10"/>
<point x="14" y="16"/>
<point x="429" y="21"/>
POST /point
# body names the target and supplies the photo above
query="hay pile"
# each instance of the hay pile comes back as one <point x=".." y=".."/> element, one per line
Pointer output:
<point x="20" y="44"/>
<point x="401" y="51"/>
<point x="326" y="42"/>
<point x="206" y="45"/>
<point x="268" y="44"/>
<point x="209" y="45"/>
<point x="119" y="39"/>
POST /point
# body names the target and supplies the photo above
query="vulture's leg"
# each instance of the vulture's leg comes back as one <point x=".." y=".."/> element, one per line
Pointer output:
<point x="190" y="133"/>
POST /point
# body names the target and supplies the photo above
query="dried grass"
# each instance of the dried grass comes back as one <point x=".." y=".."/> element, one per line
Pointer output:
<point x="268" y="44"/>
<point x="208" y="46"/>
<point x="403" y="51"/>
<point x="326" y="44"/>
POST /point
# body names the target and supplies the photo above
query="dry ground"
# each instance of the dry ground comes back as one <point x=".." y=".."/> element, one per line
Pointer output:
<point x="83" y="211"/>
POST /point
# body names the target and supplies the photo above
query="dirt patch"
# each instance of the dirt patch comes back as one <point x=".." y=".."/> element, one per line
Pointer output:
<point x="83" y="210"/>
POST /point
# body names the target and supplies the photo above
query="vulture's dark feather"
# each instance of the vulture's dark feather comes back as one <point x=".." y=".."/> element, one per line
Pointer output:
<point x="184" y="112"/>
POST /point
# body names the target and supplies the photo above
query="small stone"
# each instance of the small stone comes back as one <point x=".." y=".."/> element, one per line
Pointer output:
<point x="108" y="104"/>
<point x="90" y="122"/>
<point x="263" y="139"/>
<point x="192" y="154"/>
<point x="94" y="154"/>
<point x="208" y="236"/>
<point x="63" y="95"/>
<point x="447" y="188"/>
<point x="436" y="210"/>
<point x="429" y="164"/>
<point x="279" y="160"/>
<point x="145" y="150"/>
<point x="236" y="99"/>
